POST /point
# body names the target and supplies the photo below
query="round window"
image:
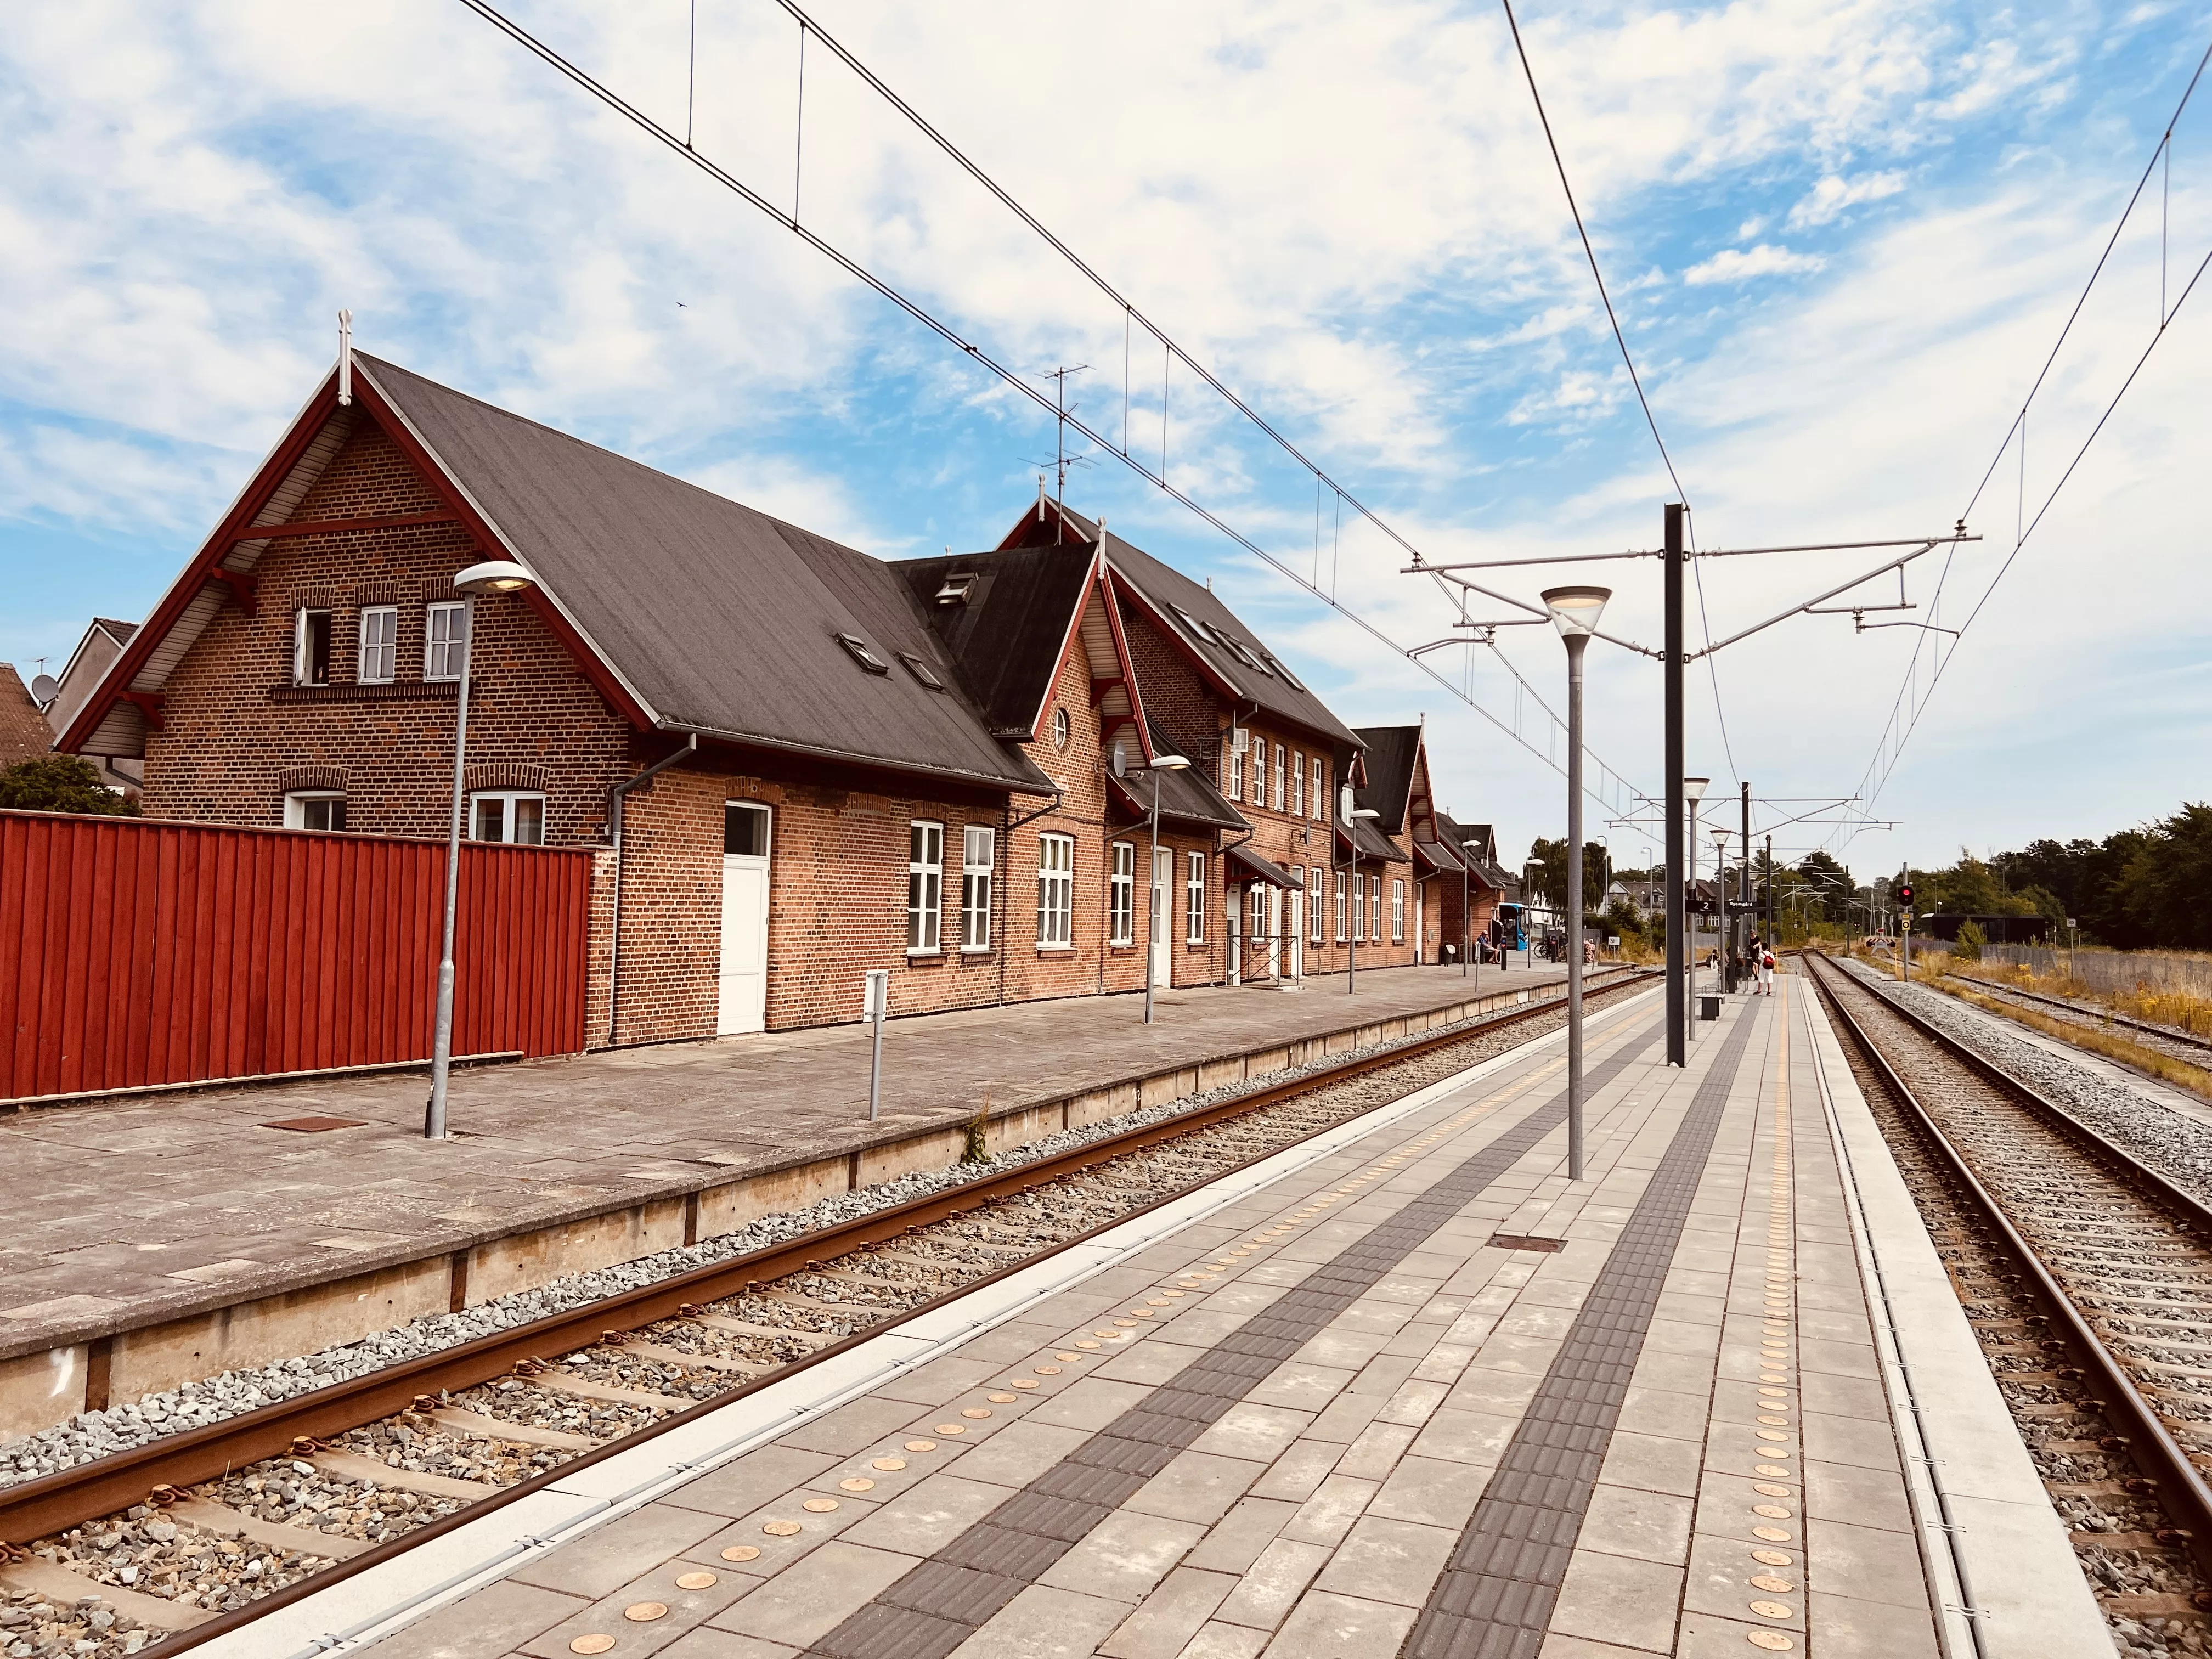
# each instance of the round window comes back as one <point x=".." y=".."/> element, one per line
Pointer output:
<point x="1062" y="728"/>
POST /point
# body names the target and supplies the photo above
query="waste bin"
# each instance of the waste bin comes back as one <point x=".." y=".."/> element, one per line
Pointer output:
<point x="1708" y="1007"/>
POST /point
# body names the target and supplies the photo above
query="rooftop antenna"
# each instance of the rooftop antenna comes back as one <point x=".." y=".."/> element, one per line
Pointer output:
<point x="1059" y="379"/>
<point x="345" y="357"/>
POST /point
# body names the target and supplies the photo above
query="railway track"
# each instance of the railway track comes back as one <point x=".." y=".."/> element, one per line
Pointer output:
<point x="182" y="1538"/>
<point x="2168" y="1040"/>
<point x="2087" y="1280"/>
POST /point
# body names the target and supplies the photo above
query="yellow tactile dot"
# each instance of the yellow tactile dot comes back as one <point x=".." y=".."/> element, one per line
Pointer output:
<point x="1005" y="1399"/>
<point x="1772" y="1512"/>
<point x="1772" y="1557"/>
<point x="1770" y="1492"/>
<point x="889" y="1465"/>
<point x="696" y="1581"/>
<point x="920" y="1445"/>
<point x="1136" y="1314"/>
<point x="1776" y="1422"/>
<point x="593" y="1644"/>
<point x="1161" y="1301"/>
<point x="1069" y="1358"/>
<point x="950" y="1429"/>
<point x="1018" y="1382"/>
<point x="1045" y="1371"/>
<point x="1772" y="1534"/>
<point x="976" y="1410"/>
<point x="1085" y="1342"/>
<point x="1771" y="1610"/>
<point x="1105" y="1331"/>
<point x="857" y="1483"/>
<point x="742" y="1552"/>
<point x="1767" y="1581"/>
<point x="1125" y="1321"/>
<point x="644" y="1613"/>
<point x="781" y="1528"/>
<point x="819" y="1505"/>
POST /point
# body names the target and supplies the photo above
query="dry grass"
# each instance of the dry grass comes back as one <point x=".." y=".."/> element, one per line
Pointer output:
<point x="2180" y="1009"/>
<point x="2109" y="1044"/>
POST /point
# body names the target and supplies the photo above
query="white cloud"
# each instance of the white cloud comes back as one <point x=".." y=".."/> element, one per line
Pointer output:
<point x="1733" y="265"/>
<point x="1834" y="193"/>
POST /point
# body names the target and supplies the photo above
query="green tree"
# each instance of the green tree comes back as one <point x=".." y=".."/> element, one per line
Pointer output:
<point x="2166" y="889"/>
<point x="61" y="783"/>
<point x="1970" y="941"/>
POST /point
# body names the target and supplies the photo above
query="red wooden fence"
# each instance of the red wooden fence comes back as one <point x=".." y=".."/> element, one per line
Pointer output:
<point x="135" y="952"/>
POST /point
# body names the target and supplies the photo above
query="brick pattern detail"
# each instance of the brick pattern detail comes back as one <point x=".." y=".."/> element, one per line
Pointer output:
<point x="940" y="1604"/>
<point x="1494" y="1598"/>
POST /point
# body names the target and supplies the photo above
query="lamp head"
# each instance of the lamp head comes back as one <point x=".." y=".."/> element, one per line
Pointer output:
<point x="1366" y="813"/>
<point x="1169" y="764"/>
<point x="1695" y="788"/>
<point x="1575" y="610"/>
<point x="495" y="576"/>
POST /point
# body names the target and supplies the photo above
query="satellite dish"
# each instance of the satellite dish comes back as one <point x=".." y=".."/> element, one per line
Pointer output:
<point x="45" y="688"/>
<point x="1120" y="761"/>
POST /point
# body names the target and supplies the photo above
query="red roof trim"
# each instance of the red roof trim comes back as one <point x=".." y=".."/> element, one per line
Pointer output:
<point x="1135" y="692"/>
<point x="1067" y="639"/>
<point x="1123" y="585"/>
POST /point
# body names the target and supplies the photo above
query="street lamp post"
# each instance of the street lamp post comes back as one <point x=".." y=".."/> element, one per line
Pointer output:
<point x="1155" y="924"/>
<point x="1351" y="815"/>
<point x="1721" y="886"/>
<point x="493" y="576"/>
<point x="1466" y="909"/>
<point x="1575" y="611"/>
<point x="1693" y="791"/>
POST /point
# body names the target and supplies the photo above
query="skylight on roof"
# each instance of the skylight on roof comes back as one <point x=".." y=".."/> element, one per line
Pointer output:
<point x="921" y="671"/>
<point x="859" y="650"/>
<point x="958" y="586"/>
<point x="1289" y="678"/>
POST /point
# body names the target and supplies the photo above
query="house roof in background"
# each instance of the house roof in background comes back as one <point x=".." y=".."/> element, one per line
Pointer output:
<point x="24" y="734"/>
<point x="1007" y="636"/>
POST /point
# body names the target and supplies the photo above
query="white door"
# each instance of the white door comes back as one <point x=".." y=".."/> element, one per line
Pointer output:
<point x="1297" y="933"/>
<point x="1275" y="934"/>
<point x="744" y="918"/>
<point x="1163" y="891"/>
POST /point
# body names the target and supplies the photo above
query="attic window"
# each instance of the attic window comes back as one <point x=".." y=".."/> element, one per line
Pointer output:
<point x="959" y="585"/>
<point x="1242" y="652"/>
<point x="921" y="671"/>
<point x="858" y="649"/>
<point x="1289" y="678"/>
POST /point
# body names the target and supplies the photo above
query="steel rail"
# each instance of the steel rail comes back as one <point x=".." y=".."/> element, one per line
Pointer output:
<point x="2150" y="1446"/>
<point x="70" y="1497"/>
<point x="2109" y="1016"/>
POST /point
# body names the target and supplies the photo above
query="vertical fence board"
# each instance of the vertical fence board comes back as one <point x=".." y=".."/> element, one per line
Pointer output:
<point x="136" y="951"/>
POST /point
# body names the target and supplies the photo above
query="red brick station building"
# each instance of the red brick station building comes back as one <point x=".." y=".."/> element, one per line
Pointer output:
<point x="795" y="761"/>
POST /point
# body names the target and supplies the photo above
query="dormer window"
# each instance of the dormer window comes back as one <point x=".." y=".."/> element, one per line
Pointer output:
<point x="959" y="585"/>
<point x="921" y="671"/>
<point x="857" y="649"/>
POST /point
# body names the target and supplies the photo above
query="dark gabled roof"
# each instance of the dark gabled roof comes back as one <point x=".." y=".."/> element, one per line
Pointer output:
<point x="1485" y="866"/>
<point x="1266" y="869"/>
<point x="1391" y="753"/>
<point x="1372" y="842"/>
<point x="122" y="631"/>
<point x="1233" y="652"/>
<point x="718" y="618"/>
<point x="24" y="734"/>
<point x="1007" y="635"/>
<point x="1186" y="797"/>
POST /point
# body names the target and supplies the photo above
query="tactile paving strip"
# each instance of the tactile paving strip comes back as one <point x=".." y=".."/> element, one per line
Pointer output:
<point x="938" y="1605"/>
<point x="1495" y="1597"/>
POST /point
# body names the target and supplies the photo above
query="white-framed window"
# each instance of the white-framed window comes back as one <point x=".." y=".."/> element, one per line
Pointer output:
<point x="745" y="829"/>
<point x="925" y="887"/>
<point x="1193" y="899"/>
<point x="1358" y="908"/>
<point x="315" y="809"/>
<point x="311" y="648"/>
<point x="1259" y="771"/>
<point x="1236" y="771"/>
<point x="1339" y="907"/>
<point x="1055" y="891"/>
<point x="1121" y="893"/>
<point x="1279" y="796"/>
<point x="1298" y="786"/>
<point x="1375" y="909"/>
<point x="1397" y="911"/>
<point x="1315" y="905"/>
<point x="1259" y="892"/>
<point x="513" y="815"/>
<point x="1319" y="792"/>
<point x="380" y="645"/>
<point x="445" y="630"/>
<point x="978" y="847"/>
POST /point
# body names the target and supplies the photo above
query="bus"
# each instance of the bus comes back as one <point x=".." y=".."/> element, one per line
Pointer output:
<point x="1507" y="928"/>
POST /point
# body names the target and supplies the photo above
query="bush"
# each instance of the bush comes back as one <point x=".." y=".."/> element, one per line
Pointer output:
<point x="1970" y="941"/>
<point x="61" y="783"/>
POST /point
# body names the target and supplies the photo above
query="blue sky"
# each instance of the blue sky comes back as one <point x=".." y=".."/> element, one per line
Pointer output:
<point x="1842" y="238"/>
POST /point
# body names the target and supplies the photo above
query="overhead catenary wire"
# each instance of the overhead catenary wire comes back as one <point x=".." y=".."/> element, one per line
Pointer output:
<point x="584" y="80"/>
<point x="1911" y="701"/>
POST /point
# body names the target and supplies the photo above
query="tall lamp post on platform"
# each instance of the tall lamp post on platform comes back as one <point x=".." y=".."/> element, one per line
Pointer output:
<point x="1693" y="791"/>
<point x="1351" y="815"/>
<point x="1575" y="612"/>
<point x="1156" y="931"/>
<point x="1720" y="886"/>
<point x="1467" y="849"/>
<point x="493" y="576"/>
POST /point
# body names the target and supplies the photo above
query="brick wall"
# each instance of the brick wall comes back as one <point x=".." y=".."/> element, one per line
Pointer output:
<point x="236" y="733"/>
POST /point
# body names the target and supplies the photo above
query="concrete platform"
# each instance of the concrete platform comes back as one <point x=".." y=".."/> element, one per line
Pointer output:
<point x="1350" y="1411"/>
<point x="162" y="1240"/>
